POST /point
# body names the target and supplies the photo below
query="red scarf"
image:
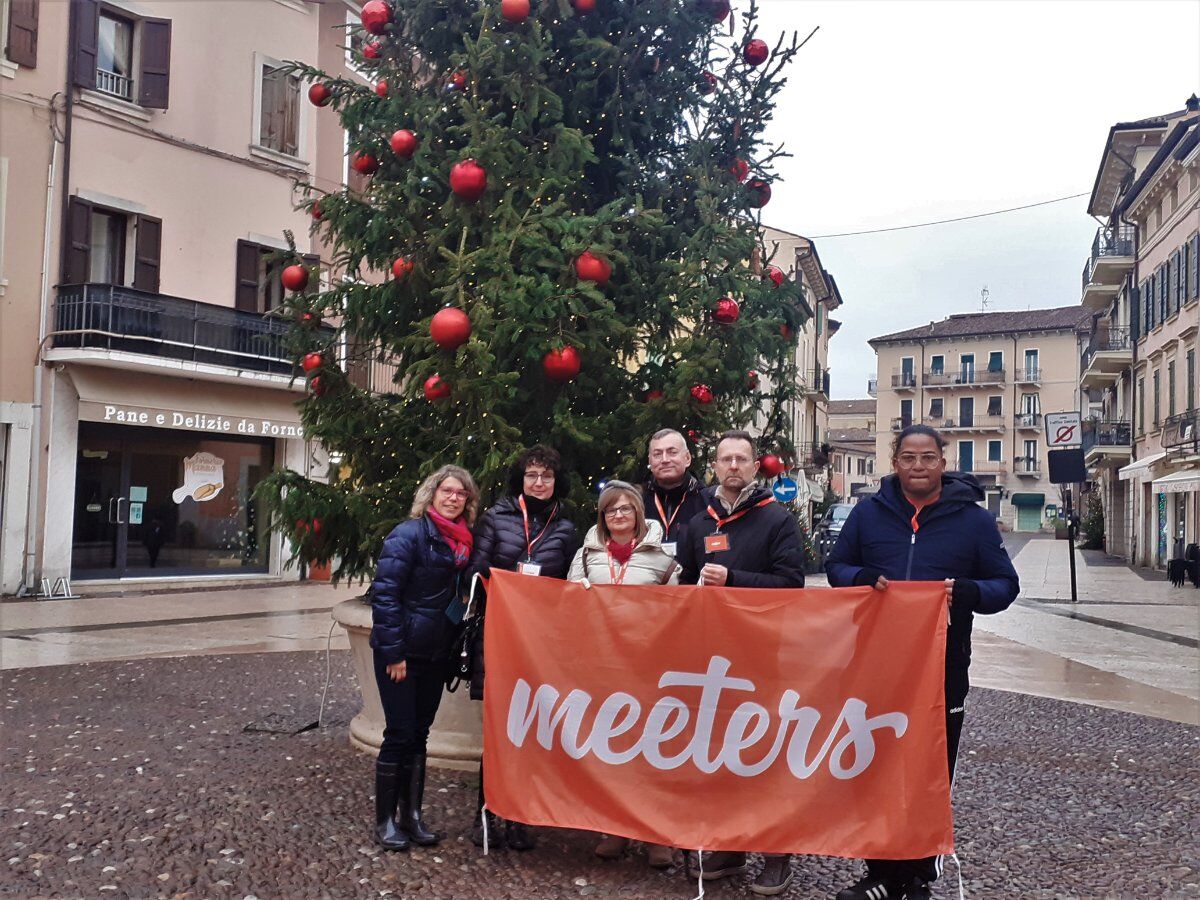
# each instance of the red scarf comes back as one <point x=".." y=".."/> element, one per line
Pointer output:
<point x="455" y="533"/>
<point x="621" y="552"/>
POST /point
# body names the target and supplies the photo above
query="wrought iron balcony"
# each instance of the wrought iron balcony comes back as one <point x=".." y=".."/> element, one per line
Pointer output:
<point x="1182" y="431"/>
<point x="1112" y="257"/>
<point x="1027" y="465"/>
<point x="1026" y="421"/>
<point x="812" y="456"/>
<point x="903" y="380"/>
<point x="984" y="466"/>
<point x="1028" y="375"/>
<point x="1107" y="434"/>
<point x="963" y="376"/>
<point x="113" y="317"/>
<point x="901" y="423"/>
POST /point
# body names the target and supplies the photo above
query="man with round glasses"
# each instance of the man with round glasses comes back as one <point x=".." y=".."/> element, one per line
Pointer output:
<point x="925" y="524"/>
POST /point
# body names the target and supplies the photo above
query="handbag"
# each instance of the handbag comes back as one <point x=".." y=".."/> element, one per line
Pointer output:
<point x="466" y="653"/>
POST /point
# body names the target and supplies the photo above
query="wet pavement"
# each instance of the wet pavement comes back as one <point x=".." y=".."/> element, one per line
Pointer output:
<point x="135" y="779"/>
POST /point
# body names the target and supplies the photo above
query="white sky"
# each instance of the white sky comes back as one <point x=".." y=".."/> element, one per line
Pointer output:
<point x="900" y="111"/>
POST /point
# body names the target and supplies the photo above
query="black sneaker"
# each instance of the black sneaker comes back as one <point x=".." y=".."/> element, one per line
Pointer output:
<point x="775" y="878"/>
<point x="918" y="890"/>
<point x="872" y="889"/>
<point x="718" y="864"/>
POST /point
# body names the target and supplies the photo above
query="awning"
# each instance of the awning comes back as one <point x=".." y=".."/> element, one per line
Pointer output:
<point x="1177" y="482"/>
<point x="1139" y="470"/>
<point x="1038" y="500"/>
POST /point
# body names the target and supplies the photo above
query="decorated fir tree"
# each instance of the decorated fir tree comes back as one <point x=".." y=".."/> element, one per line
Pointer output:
<point x="555" y="240"/>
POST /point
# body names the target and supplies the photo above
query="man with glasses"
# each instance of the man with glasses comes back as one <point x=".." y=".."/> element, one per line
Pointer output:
<point x="672" y="494"/>
<point x="743" y="538"/>
<point x="925" y="524"/>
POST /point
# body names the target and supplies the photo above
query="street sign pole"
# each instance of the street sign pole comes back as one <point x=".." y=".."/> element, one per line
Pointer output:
<point x="1071" y="541"/>
<point x="1064" y="438"/>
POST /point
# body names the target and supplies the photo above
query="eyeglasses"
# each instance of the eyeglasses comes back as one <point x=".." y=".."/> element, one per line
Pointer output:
<point x="625" y="510"/>
<point x="908" y="460"/>
<point x="543" y="477"/>
<point x="453" y="494"/>
<point x="738" y="461"/>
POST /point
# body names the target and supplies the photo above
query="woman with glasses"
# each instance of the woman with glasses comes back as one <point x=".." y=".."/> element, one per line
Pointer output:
<point x="416" y="607"/>
<point x="526" y="532"/>
<point x="624" y="548"/>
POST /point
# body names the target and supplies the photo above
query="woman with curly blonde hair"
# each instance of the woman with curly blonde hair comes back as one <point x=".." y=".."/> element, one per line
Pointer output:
<point x="416" y="608"/>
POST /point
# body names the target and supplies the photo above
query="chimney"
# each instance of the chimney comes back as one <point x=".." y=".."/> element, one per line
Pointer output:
<point x="1193" y="103"/>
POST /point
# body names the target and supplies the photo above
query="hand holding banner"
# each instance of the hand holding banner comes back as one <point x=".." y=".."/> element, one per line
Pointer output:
<point x="805" y="721"/>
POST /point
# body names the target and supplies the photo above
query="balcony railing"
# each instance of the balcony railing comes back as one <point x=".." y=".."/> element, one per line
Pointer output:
<point x="812" y="456"/>
<point x="1027" y="465"/>
<point x="112" y="317"/>
<point x="983" y="466"/>
<point x="820" y="382"/>
<point x="1105" y="340"/>
<point x="1106" y="434"/>
<point x="1028" y="421"/>
<point x="903" y="380"/>
<point x="112" y="83"/>
<point x="872" y="387"/>
<point x="1182" y="430"/>
<point x="963" y="376"/>
<point x="1028" y="375"/>
<point x="971" y="422"/>
<point x="901" y="423"/>
<point x="1109" y="242"/>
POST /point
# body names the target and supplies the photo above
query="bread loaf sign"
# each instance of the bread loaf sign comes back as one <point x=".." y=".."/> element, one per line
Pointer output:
<point x="203" y="478"/>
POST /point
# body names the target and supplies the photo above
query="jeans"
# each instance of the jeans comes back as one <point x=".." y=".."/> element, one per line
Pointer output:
<point x="409" y="706"/>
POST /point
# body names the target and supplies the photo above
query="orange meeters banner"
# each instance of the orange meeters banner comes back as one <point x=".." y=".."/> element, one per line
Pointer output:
<point x="781" y="721"/>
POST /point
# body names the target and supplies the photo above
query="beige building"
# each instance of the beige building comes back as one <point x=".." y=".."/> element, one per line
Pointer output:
<point x="1141" y="281"/>
<point x="852" y="441"/>
<point x="984" y="380"/>
<point x="145" y="185"/>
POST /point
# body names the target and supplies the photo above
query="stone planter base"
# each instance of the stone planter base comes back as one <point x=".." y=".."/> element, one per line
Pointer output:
<point x="456" y="740"/>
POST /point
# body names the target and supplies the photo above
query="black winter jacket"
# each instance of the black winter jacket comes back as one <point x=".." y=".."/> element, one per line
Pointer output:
<point x="415" y="583"/>
<point x="500" y="541"/>
<point x="691" y="504"/>
<point x="765" y="548"/>
<point x="956" y="538"/>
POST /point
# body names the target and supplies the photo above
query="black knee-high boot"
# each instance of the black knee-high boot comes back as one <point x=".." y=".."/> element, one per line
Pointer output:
<point x="413" y="794"/>
<point x="387" y="792"/>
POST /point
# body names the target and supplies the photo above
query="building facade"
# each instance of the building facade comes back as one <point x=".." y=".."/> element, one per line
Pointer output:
<point x="984" y="380"/>
<point x="852" y="437"/>
<point x="147" y="388"/>
<point x="1141" y="281"/>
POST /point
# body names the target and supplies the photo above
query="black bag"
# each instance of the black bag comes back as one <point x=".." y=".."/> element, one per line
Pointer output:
<point x="466" y="653"/>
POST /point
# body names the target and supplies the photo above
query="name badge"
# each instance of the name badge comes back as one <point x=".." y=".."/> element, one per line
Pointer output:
<point x="716" y="543"/>
<point x="529" y="568"/>
<point x="669" y="548"/>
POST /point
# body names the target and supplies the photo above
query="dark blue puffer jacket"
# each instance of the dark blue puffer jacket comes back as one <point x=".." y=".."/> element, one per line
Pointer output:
<point x="415" y="583"/>
<point x="956" y="538"/>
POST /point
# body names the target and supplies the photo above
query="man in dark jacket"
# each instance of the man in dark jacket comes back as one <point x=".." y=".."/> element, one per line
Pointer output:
<point x="925" y="524"/>
<point x="672" y="494"/>
<point x="742" y="539"/>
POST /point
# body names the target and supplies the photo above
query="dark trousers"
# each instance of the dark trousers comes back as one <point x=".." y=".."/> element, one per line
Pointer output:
<point x="409" y="706"/>
<point x="904" y="871"/>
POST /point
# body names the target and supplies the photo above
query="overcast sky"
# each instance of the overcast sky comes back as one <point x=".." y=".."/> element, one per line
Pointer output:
<point x="899" y="112"/>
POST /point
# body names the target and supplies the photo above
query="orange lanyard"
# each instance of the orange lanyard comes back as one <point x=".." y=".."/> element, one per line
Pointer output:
<point x="617" y="575"/>
<point x="721" y="523"/>
<point x="525" y="516"/>
<point x="662" y="513"/>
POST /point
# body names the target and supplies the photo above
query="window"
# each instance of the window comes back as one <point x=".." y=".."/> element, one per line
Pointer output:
<point x="870" y="466"/>
<point x="1171" y="388"/>
<point x="995" y="406"/>
<point x="1157" y="400"/>
<point x="1141" y="408"/>
<point x="1031" y="403"/>
<point x="258" y="268"/>
<point x="19" y="27"/>
<point x="935" y="408"/>
<point x="98" y="246"/>
<point x="122" y="54"/>
<point x="1031" y="366"/>
<point x="966" y="411"/>
<point x="905" y="413"/>
<point x="1148" y="303"/>
<point x="1178" y="282"/>
<point x="906" y="377"/>
<point x="995" y="448"/>
<point x="937" y="364"/>
<point x="966" y="456"/>
<point x="862" y="466"/>
<point x="1191" y="380"/>
<point x="279" y="110"/>
<point x="966" y="362"/>
<point x="1030" y="458"/>
<point x="996" y="361"/>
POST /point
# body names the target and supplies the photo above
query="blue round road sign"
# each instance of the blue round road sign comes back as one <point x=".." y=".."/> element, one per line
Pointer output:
<point x="785" y="490"/>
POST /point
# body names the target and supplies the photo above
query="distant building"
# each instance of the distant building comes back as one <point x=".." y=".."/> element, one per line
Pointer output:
<point x="983" y="380"/>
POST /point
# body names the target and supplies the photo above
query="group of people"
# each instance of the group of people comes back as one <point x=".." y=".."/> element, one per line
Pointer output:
<point x="924" y="524"/>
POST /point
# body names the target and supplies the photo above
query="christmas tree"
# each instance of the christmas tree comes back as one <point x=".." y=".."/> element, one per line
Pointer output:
<point x="558" y="243"/>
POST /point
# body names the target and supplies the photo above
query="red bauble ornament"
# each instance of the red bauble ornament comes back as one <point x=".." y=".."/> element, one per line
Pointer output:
<point x="319" y="95"/>
<point x="583" y="7"/>
<point x="381" y="88"/>
<point x="774" y="274"/>
<point x="364" y="163"/>
<point x="756" y="52"/>
<point x="786" y="331"/>
<point x="404" y="143"/>
<point x="515" y="11"/>
<point x="311" y="360"/>
<point x="457" y="82"/>
<point x="770" y="465"/>
<point x="739" y="169"/>
<point x="727" y="311"/>
<point x="436" y="388"/>
<point x="654" y="395"/>
<point x="707" y="83"/>
<point x="759" y="192"/>
<point x="307" y="318"/>
<point x="718" y="9"/>
<point x="450" y="328"/>
<point x="562" y="364"/>
<point x="315" y="210"/>
<point x="468" y="179"/>
<point x="752" y="380"/>
<point x="295" y="277"/>
<point x="317" y="386"/>
<point x="376" y="16"/>
<point x="590" y="267"/>
<point x="401" y="267"/>
<point x="702" y="394"/>
<point x="693" y="435"/>
<point x="372" y="50"/>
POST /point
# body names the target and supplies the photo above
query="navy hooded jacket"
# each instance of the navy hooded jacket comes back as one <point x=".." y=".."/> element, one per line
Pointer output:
<point x="955" y="538"/>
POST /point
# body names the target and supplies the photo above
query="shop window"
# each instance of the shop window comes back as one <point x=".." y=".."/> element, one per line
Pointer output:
<point x="278" y="109"/>
<point x="19" y="25"/>
<point x="122" y="54"/>
<point x="98" y="246"/>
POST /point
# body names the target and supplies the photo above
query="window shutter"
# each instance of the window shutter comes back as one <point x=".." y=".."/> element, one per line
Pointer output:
<point x="77" y="264"/>
<point x="87" y="35"/>
<point x="245" y="295"/>
<point x="155" y="75"/>
<point x="1163" y="278"/>
<point x="21" y="46"/>
<point x="1196" y="266"/>
<point x="1135" y="313"/>
<point x="1176" y="298"/>
<point x="147" y="253"/>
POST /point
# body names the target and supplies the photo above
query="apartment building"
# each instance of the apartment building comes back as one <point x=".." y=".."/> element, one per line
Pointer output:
<point x="984" y="380"/>
<point x="1141" y="282"/>
<point x="852" y="444"/>
<point x="147" y="169"/>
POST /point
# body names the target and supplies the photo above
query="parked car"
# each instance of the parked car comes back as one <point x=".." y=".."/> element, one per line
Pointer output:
<point x="830" y="525"/>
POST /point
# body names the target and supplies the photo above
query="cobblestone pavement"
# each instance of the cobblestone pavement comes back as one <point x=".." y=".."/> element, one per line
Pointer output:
<point x="135" y="779"/>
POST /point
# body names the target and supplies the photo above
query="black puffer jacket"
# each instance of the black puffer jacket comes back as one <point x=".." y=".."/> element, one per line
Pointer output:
<point x="415" y="583"/>
<point x="500" y="540"/>
<point x="684" y="506"/>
